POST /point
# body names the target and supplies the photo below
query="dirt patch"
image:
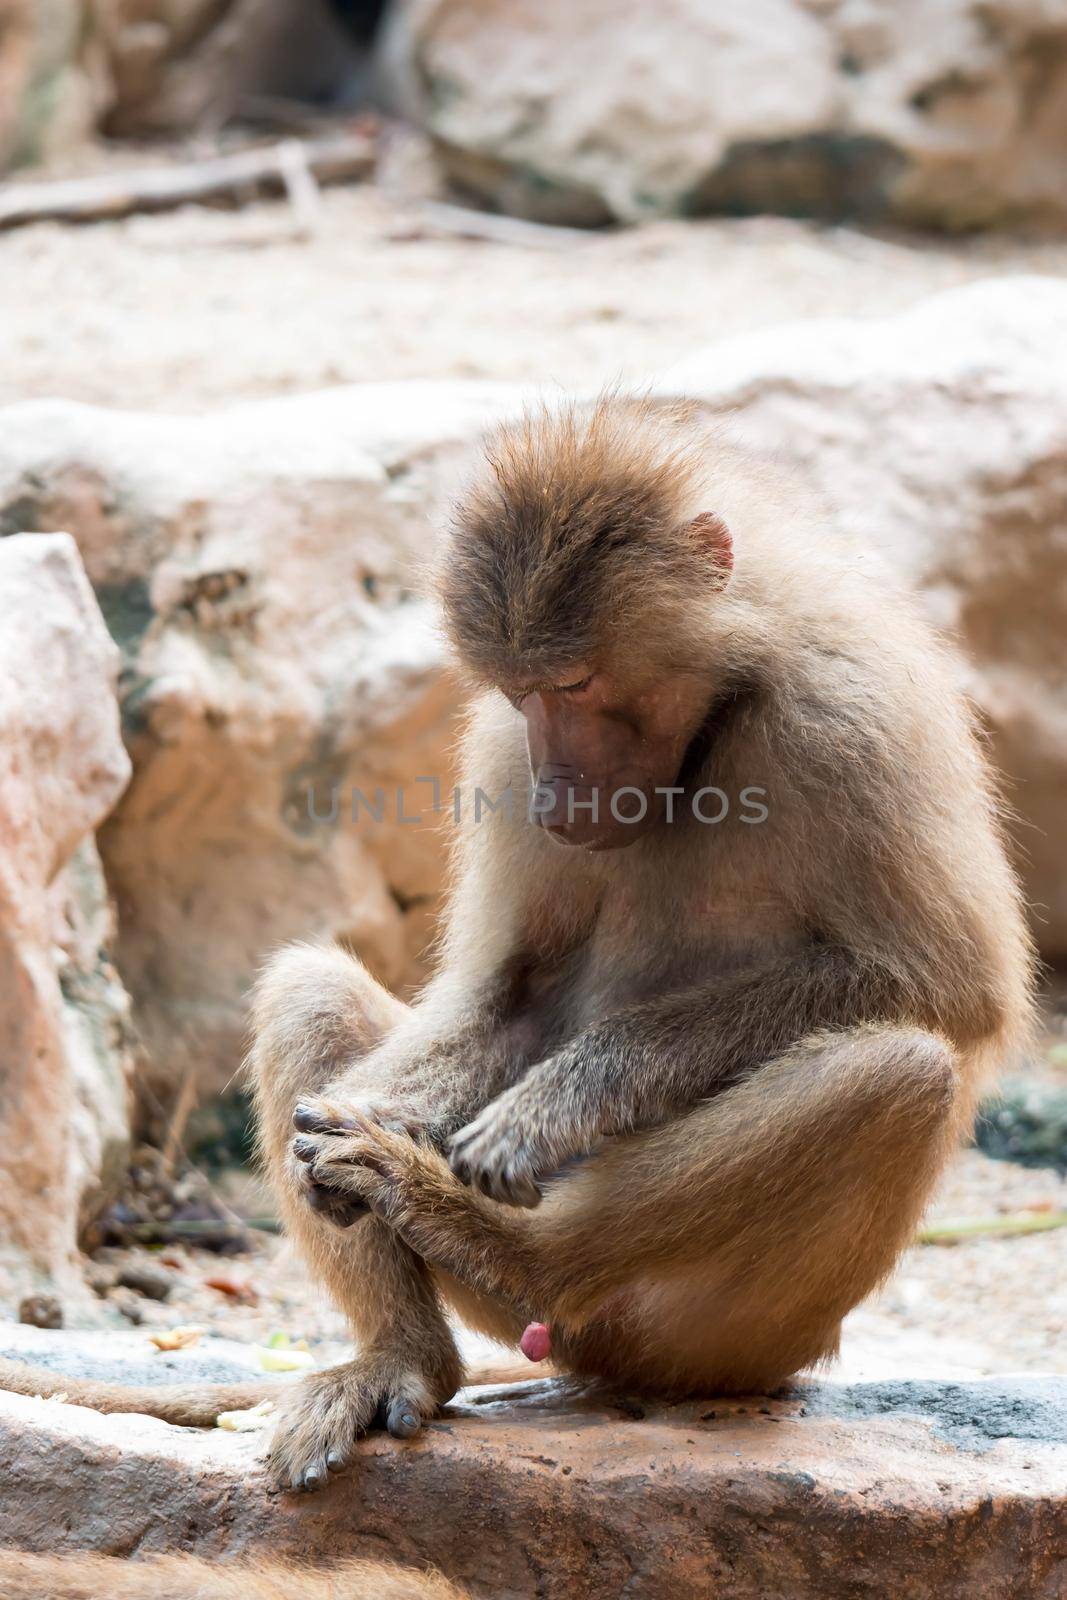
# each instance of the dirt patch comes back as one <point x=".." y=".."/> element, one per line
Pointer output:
<point x="196" y="308"/>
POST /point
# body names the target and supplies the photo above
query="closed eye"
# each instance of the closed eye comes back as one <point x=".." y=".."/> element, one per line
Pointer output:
<point x="517" y="697"/>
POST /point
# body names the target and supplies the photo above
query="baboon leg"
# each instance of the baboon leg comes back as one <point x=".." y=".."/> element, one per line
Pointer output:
<point x="719" y="1251"/>
<point x="794" y="1195"/>
<point x="316" y="1012"/>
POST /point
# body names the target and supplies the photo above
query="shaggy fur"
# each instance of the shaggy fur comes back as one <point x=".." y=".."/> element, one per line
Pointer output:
<point x="538" y="569"/>
<point x="762" y="1042"/>
<point x="185" y="1577"/>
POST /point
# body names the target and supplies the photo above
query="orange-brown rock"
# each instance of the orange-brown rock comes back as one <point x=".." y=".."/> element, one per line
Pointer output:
<point x="65" y="1046"/>
<point x="937" y="1491"/>
<point x="260" y="570"/>
<point x="53" y="80"/>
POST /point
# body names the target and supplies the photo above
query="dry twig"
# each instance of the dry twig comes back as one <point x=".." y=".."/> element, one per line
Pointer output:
<point x="294" y="167"/>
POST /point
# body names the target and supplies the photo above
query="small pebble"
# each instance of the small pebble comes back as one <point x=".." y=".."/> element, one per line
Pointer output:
<point x="41" y="1311"/>
<point x="155" y="1283"/>
<point x="129" y="1304"/>
<point x="100" y="1277"/>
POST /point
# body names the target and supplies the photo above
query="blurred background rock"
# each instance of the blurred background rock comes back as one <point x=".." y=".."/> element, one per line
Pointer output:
<point x="839" y="224"/>
<point x="948" y="113"/>
<point x="69" y="68"/>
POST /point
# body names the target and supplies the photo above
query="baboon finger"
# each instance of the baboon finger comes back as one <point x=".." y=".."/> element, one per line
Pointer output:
<point x="321" y="1119"/>
<point x="341" y="1210"/>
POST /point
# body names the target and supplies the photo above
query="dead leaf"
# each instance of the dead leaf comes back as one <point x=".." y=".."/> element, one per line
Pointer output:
<point x="176" y="1338"/>
<point x="291" y="1360"/>
<point x="260" y="1416"/>
<point x="234" y="1289"/>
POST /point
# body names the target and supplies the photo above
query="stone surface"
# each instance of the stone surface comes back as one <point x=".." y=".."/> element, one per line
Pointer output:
<point x="258" y="569"/>
<point x="947" y="112"/>
<point x="65" y="1049"/>
<point x="53" y="81"/>
<point x="69" y="68"/>
<point x="176" y="64"/>
<point x="938" y="440"/>
<point x="930" y="1489"/>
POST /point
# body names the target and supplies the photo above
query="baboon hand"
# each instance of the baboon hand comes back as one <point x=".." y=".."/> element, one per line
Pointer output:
<point x="331" y="1115"/>
<point x="352" y="1162"/>
<point x="328" y="1120"/>
<point x="508" y="1151"/>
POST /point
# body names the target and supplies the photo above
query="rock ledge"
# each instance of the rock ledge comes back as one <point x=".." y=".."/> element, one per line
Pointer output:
<point x="920" y="1488"/>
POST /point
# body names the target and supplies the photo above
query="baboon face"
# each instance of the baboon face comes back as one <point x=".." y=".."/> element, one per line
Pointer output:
<point x="578" y="580"/>
<point x="600" y="748"/>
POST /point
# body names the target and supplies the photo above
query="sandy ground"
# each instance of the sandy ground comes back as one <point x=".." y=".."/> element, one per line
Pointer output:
<point x="199" y="308"/>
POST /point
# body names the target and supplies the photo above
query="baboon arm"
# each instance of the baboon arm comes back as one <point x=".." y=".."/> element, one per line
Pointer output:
<point x="653" y="1061"/>
<point x="845" y="1126"/>
<point x="434" y="1073"/>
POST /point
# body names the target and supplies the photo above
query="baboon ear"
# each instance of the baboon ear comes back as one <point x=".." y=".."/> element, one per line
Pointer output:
<point x="713" y="537"/>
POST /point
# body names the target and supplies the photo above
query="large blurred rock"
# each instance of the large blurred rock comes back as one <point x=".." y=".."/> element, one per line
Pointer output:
<point x="257" y="568"/>
<point x="64" y="1027"/>
<point x="53" y="79"/>
<point x="950" y="112"/>
<point x="69" y="67"/>
<point x="176" y="64"/>
<point x="938" y="439"/>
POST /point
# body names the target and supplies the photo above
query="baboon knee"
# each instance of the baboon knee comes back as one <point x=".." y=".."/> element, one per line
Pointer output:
<point x="929" y="1066"/>
<point x="917" y="1082"/>
<point x="307" y="1016"/>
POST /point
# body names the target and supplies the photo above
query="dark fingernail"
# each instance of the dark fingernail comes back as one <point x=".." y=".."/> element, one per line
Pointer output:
<point x="312" y="1478"/>
<point x="305" y="1149"/>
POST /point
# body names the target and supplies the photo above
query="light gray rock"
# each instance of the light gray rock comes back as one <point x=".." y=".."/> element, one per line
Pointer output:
<point x="947" y="112"/>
